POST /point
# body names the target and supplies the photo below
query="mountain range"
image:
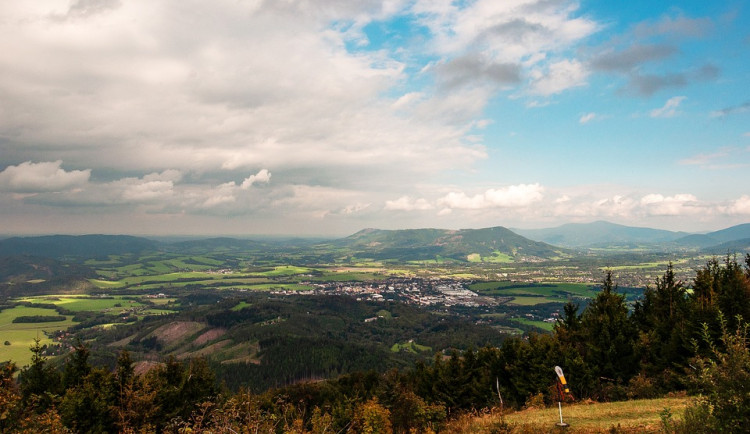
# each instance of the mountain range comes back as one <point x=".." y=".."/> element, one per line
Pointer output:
<point x="495" y="244"/>
<point x="604" y="234"/>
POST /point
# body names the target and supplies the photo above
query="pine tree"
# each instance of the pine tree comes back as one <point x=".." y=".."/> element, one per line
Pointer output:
<point x="39" y="382"/>
<point x="609" y="334"/>
<point x="662" y="319"/>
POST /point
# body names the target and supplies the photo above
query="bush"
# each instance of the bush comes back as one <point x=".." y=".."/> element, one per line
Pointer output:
<point x="723" y="377"/>
<point x="535" y="401"/>
<point x="642" y="387"/>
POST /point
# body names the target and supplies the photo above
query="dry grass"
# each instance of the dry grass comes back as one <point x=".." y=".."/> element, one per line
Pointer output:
<point x="636" y="416"/>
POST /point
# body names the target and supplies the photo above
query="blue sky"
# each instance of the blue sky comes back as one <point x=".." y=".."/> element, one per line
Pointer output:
<point x="325" y="117"/>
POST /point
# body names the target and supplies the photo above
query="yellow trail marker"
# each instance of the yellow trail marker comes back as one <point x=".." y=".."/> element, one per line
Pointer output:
<point x="561" y="376"/>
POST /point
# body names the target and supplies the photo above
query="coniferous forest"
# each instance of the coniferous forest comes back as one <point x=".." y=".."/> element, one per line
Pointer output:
<point x="679" y="336"/>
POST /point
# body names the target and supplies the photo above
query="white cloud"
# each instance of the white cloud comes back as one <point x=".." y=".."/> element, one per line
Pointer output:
<point x="514" y="196"/>
<point x="508" y="31"/>
<point x="352" y="209"/>
<point x="677" y="205"/>
<point x="318" y="201"/>
<point x="29" y="177"/>
<point x="669" y="109"/>
<point x="558" y="76"/>
<point x="740" y="206"/>
<point x="263" y="176"/>
<point x="146" y="191"/>
<point x="405" y="203"/>
<point x="588" y="117"/>
<point x="704" y="159"/>
<point x="147" y="86"/>
<point x="222" y="195"/>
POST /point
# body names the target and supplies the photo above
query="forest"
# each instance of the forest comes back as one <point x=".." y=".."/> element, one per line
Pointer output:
<point x="687" y="337"/>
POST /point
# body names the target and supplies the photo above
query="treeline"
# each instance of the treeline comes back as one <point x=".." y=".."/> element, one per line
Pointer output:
<point x="38" y="318"/>
<point x="675" y="338"/>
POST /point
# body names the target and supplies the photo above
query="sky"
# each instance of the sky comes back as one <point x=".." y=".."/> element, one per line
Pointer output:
<point x="324" y="117"/>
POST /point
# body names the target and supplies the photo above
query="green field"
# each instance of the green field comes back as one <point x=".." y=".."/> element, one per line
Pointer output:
<point x="21" y="335"/>
<point x="284" y="270"/>
<point x="533" y="301"/>
<point x="410" y="347"/>
<point x="85" y="303"/>
<point x="498" y="257"/>
<point x="539" y="324"/>
<point x="531" y="294"/>
<point x="553" y="292"/>
<point x="241" y="305"/>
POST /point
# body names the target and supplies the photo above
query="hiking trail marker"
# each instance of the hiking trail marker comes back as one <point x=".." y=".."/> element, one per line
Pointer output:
<point x="564" y="384"/>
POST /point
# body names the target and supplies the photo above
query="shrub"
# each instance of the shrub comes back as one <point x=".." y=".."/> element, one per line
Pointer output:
<point x="723" y="377"/>
<point x="642" y="387"/>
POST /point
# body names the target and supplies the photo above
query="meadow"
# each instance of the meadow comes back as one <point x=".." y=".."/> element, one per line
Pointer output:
<point x="81" y="303"/>
<point x="531" y="294"/>
<point x="635" y="416"/>
<point x="20" y="336"/>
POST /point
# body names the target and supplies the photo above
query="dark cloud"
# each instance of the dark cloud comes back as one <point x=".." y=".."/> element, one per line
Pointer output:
<point x="649" y="84"/>
<point x="707" y="72"/>
<point x="679" y="27"/>
<point x="515" y="30"/>
<point x="473" y="68"/>
<point x="631" y="57"/>
<point x="732" y="110"/>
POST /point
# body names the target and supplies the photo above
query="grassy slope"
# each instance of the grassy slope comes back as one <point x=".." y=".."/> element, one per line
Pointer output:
<point x="636" y="416"/>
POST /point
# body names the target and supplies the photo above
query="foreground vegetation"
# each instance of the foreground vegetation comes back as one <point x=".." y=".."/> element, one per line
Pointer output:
<point x="672" y="340"/>
<point x="657" y="415"/>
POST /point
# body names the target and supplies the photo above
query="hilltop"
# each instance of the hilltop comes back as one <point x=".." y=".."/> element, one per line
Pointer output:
<point x="496" y="244"/>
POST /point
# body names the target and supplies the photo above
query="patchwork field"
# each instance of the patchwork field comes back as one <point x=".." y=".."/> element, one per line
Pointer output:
<point x="530" y="294"/>
<point x="20" y="336"/>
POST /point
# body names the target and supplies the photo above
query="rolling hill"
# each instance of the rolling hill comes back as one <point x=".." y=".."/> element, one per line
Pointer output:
<point x="261" y="341"/>
<point x="605" y="234"/>
<point x="599" y="233"/>
<point x="719" y="240"/>
<point x="85" y="246"/>
<point x="496" y="243"/>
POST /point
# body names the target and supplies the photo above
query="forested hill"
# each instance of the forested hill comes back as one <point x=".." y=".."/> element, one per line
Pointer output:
<point x="599" y="233"/>
<point x="735" y="236"/>
<point x="260" y="341"/>
<point x="456" y="244"/>
<point x="85" y="246"/>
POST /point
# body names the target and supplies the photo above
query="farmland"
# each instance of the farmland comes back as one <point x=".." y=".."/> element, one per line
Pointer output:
<point x="20" y="336"/>
<point x="124" y="289"/>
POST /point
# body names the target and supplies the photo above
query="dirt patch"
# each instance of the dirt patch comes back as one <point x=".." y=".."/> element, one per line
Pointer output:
<point x="208" y="336"/>
<point x="173" y="332"/>
<point x="209" y="350"/>
<point x="245" y="352"/>
<point x="122" y="342"/>
<point x="247" y="359"/>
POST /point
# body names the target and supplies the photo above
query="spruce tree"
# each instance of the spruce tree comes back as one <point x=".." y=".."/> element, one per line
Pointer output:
<point x="609" y="334"/>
